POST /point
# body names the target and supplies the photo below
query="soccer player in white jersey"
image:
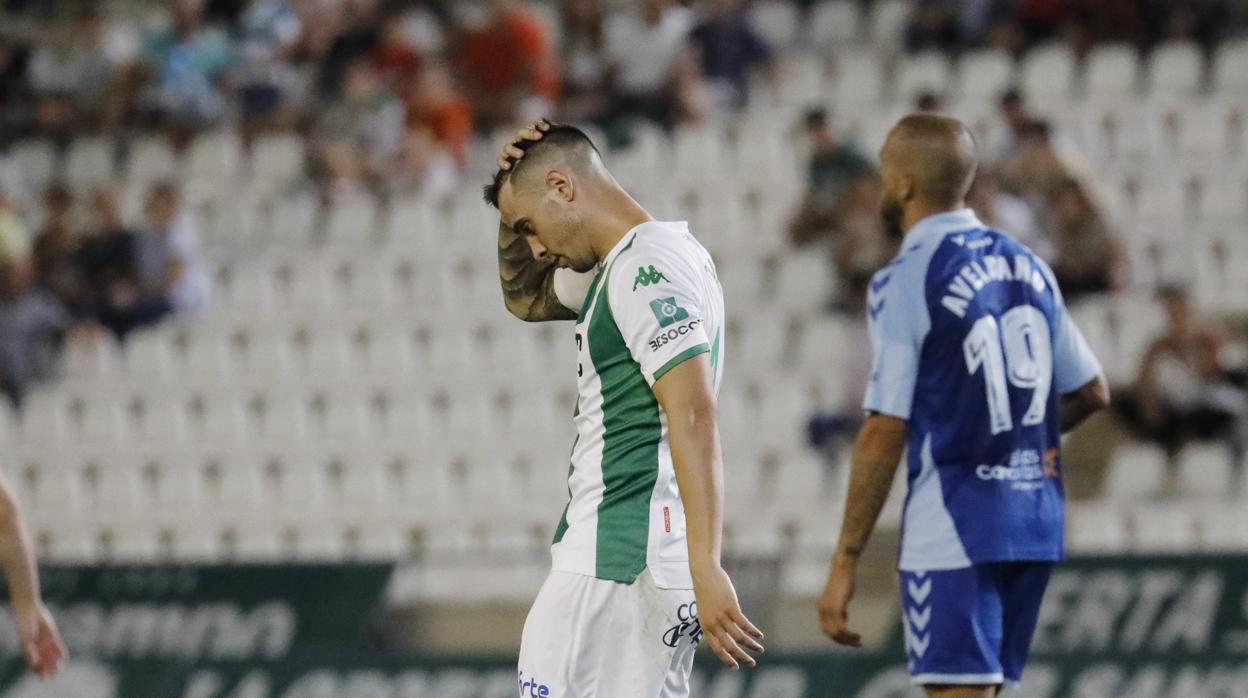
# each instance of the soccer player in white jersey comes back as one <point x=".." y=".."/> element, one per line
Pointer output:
<point x="636" y="579"/>
<point x="978" y="370"/>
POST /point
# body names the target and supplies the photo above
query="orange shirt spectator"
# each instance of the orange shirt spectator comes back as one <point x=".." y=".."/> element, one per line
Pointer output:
<point x="434" y="105"/>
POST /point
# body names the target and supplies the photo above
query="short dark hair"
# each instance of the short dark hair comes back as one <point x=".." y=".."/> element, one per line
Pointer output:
<point x="557" y="136"/>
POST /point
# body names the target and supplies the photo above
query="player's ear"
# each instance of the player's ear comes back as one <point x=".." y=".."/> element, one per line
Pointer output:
<point x="561" y="184"/>
<point x="909" y="188"/>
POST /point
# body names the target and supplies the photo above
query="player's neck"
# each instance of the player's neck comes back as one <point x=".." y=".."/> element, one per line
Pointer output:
<point x="620" y="214"/>
<point x="919" y="210"/>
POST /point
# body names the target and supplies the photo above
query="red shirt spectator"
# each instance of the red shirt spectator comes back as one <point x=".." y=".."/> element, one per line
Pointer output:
<point x="393" y="57"/>
<point x="510" y="56"/>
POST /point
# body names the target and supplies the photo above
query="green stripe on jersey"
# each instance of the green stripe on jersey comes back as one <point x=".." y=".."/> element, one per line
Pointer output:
<point x="715" y="356"/>
<point x="681" y="358"/>
<point x="632" y="431"/>
<point x="562" y="528"/>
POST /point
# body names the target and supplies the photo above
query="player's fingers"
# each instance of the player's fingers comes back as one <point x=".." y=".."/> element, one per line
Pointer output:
<point x="542" y="125"/>
<point x="847" y="637"/>
<point x="527" y="134"/>
<point x="739" y="618"/>
<point x="720" y="652"/>
<point x="743" y="639"/>
<point x="731" y="646"/>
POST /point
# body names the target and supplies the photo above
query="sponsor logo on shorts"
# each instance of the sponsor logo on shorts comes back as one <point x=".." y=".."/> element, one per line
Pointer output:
<point x="688" y="627"/>
<point x="668" y="336"/>
<point x="532" y="688"/>
<point x="667" y="311"/>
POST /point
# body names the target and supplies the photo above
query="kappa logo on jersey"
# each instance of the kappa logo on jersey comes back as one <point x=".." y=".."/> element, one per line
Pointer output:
<point x="647" y="277"/>
<point x="667" y="311"/>
<point x="689" y="626"/>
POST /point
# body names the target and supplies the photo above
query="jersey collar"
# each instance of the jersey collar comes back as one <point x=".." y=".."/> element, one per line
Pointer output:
<point x="941" y="225"/>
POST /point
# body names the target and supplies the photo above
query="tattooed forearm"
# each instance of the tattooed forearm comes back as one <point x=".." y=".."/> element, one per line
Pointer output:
<point x="528" y="284"/>
<point x="876" y="455"/>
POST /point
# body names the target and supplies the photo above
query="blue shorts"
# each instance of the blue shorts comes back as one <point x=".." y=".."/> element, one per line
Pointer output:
<point x="971" y="626"/>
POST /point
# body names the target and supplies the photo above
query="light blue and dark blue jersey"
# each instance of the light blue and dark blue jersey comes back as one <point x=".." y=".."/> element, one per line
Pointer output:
<point x="973" y="345"/>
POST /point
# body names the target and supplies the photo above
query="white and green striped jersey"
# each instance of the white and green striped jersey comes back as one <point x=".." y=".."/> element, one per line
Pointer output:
<point x="655" y="302"/>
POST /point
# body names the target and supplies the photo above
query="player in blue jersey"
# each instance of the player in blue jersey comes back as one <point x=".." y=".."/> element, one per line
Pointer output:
<point x="978" y="370"/>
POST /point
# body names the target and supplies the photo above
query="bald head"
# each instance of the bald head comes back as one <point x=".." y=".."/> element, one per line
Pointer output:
<point x="934" y="155"/>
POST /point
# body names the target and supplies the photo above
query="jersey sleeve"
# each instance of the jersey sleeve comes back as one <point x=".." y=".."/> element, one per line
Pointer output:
<point x="898" y="322"/>
<point x="658" y="308"/>
<point x="1074" y="363"/>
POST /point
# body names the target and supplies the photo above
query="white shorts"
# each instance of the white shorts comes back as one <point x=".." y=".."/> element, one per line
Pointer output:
<point x="593" y="638"/>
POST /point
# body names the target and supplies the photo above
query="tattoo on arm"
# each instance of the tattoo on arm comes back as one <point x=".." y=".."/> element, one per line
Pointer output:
<point x="528" y="284"/>
<point x="876" y="456"/>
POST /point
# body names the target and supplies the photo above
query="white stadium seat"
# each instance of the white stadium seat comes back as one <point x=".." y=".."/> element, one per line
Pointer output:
<point x="832" y="23"/>
<point x="923" y="72"/>
<point x="1048" y="73"/>
<point x="1230" y="67"/>
<point x="1175" y="70"/>
<point x="1095" y="527"/>
<point x="985" y="74"/>
<point x="887" y="22"/>
<point x="1136" y="473"/>
<point x="776" y="21"/>
<point x="1164" y="529"/>
<point x="1111" y="73"/>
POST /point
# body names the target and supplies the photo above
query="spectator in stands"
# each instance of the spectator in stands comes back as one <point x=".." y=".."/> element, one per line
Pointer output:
<point x="111" y="267"/>
<point x="358" y="136"/>
<point x="170" y="264"/>
<point x="190" y="63"/>
<point x="435" y="108"/>
<point x="730" y="50"/>
<point x="650" y="64"/>
<point x="57" y="251"/>
<point x="508" y="67"/>
<point x="1088" y="258"/>
<point x="1183" y="390"/>
<point x="341" y="32"/>
<point x="932" y="26"/>
<point x="72" y="72"/>
<point x="584" y="60"/>
<point x="32" y="329"/>
<point x="270" y="32"/>
<point x="1016" y="119"/>
<point x="14" y="235"/>
<point x="834" y="166"/>
<point x="1004" y="211"/>
<point x="394" y="57"/>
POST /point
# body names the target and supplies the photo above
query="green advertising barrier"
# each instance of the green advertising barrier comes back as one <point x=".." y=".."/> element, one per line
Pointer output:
<point x="207" y="612"/>
<point x="1118" y="627"/>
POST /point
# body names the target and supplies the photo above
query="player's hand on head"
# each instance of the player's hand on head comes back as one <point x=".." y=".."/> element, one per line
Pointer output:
<point x="834" y="606"/>
<point x="729" y="633"/>
<point x="511" y="153"/>
<point x="41" y="641"/>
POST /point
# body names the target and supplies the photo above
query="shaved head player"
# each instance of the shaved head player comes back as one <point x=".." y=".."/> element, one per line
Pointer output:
<point x="636" y="579"/>
<point x="978" y="370"/>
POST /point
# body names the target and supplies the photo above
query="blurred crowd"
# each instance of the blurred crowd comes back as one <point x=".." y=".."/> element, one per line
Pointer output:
<point x="1015" y="25"/>
<point x="1025" y="185"/>
<point x="87" y="272"/>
